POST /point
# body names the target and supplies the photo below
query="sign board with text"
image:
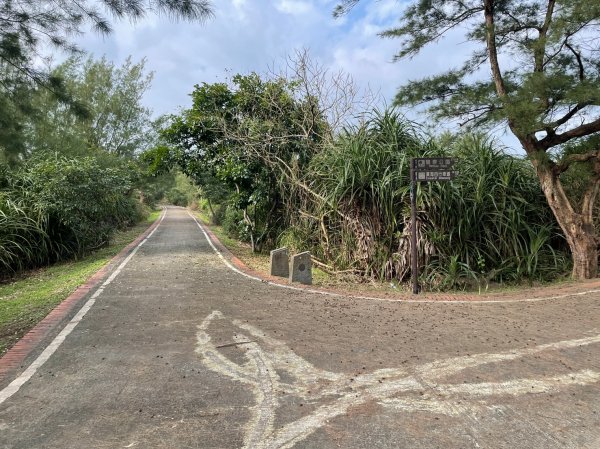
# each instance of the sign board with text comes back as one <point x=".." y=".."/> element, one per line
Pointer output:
<point x="435" y="175"/>
<point x="433" y="169"/>
<point x="424" y="169"/>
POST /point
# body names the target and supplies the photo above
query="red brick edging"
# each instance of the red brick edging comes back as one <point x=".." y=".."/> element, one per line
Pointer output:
<point x="545" y="292"/>
<point x="14" y="358"/>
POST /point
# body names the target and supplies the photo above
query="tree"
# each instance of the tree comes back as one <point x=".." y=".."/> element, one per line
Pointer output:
<point x="30" y="28"/>
<point x="115" y="121"/>
<point x="544" y="85"/>
<point x="250" y="136"/>
<point x="15" y="103"/>
<point x="29" y="25"/>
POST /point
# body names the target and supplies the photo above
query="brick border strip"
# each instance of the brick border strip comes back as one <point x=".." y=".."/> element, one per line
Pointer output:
<point x="408" y="297"/>
<point x="534" y="295"/>
<point x="15" y="357"/>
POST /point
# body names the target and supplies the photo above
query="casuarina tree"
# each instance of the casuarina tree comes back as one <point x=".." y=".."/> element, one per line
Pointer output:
<point x="535" y="68"/>
<point x="29" y="29"/>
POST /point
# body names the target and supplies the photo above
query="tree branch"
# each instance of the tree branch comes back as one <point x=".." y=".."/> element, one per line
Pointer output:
<point x="492" y="50"/>
<point x="579" y="61"/>
<point x="586" y="129"/>
<point x="477" y="114"/>
<point x="569" y="115"/>
<point x="570" y="159"/>
<point x="589" y="197"/>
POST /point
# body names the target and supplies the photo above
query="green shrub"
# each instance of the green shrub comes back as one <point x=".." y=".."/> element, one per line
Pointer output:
<point x="491" y="224"/>
<point x="233" y="223"/>
<point x="493" y="219"/>
<point x="176" y="197"/>
<point x="219" y="214"/>
<point x="23" y="240"/>
<point x="58" y="207"/>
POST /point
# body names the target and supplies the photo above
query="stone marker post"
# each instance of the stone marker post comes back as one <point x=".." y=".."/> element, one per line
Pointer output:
<point x="280" y="263"/>
<point x="301" y="268"/>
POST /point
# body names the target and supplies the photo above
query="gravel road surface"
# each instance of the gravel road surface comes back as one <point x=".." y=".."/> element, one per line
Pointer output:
<point x="179" y="351"/>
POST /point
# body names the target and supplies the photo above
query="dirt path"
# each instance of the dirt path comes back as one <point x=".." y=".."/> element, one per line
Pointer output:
<point x="178" y="351"/>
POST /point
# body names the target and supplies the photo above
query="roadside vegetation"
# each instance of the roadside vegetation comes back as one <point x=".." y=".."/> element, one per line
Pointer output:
<point x="276" y="167"/>
<point x="533" y="71"/>
<point x="71" y="176"/>
<point x="70" y="134"/>
<point x="31" y="295"/>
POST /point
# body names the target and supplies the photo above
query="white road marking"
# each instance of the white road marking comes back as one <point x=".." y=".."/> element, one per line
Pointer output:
<point x="374" y="298"/>
<point x="421" y="390"/>
<point x="16" y="384"/>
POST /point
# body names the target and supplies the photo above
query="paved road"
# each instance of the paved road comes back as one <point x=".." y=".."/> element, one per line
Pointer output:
<point x="181" y="352"/>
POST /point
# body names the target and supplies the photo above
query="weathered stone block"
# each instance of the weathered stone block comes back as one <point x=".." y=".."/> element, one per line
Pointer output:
<point x="301" y="268"/>
<point x="280" y="262"/>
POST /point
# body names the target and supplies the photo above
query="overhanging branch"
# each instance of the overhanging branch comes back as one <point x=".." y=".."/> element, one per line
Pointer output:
<point x="569" y="115"/>
<point x="586" y="129"/>
<point x="570" y="159"/>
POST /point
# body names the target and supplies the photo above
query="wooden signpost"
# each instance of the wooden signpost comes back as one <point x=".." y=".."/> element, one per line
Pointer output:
<point x="424" y="169"/>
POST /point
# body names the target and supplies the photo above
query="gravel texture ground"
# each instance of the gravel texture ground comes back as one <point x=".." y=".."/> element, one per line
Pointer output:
<point x="179" y="351"/>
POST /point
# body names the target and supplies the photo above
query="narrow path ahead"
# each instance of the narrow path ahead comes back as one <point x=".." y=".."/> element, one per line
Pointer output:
<point x="178" y="351"/>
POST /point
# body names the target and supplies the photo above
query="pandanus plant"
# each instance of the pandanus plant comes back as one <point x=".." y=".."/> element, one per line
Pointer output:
<point x="489" y="224"/>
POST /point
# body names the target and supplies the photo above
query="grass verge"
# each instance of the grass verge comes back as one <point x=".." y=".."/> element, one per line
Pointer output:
<point x="243" y="251"/>
<point x="26" y="300"/>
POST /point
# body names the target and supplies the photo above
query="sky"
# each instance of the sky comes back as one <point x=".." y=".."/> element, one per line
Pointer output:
<point x="253" y="35"/>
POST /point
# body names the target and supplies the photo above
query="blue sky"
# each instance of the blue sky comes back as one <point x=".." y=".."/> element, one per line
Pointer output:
<point x="253" y="35"/>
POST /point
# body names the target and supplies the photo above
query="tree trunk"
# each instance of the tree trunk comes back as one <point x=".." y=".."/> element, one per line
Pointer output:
<point x="585" y="256"/>
<point x="212" y="212"/>
<point x="578" y="228"/>
<point x="250" y="224"/>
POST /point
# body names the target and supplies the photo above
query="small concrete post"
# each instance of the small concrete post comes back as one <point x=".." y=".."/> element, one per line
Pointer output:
<point x="301" y="268"/>
<point x="279" y="263"/>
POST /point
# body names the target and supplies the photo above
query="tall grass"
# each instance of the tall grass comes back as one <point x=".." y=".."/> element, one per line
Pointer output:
<point x="23" y="240"/>
<point x="364" y="179"/>
<point x="494" y="218"/>
<point x="490" y="224"/>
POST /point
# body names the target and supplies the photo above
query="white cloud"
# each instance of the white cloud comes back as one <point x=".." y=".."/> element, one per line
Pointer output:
<point x="240" y="8"/>
<point x="294" y="7"/>
<point x="252" y="36"/>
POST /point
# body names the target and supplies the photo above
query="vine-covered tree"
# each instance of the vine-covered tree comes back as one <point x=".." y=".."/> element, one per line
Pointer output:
<point x="247" y="136"/>
<point x="543" y="57"/>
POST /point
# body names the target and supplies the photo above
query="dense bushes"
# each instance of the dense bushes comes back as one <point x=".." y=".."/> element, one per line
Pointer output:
<point x="53" y="207"/>
<point x="491" y="224"/>
<point x="344" y="194"/>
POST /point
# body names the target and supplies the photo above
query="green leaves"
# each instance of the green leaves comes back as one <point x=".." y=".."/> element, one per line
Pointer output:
<point x="54" y="207"/>
<point x="491" y="224"/>
<point x="243" y="143"/>
<point x="494" y="215"/>
<point x="543" y="54"/>
<point x="29" y="29"/>
<point x="105" y="112"/>
<point x="27" y="25"/>
<point x="426" y="21"/>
